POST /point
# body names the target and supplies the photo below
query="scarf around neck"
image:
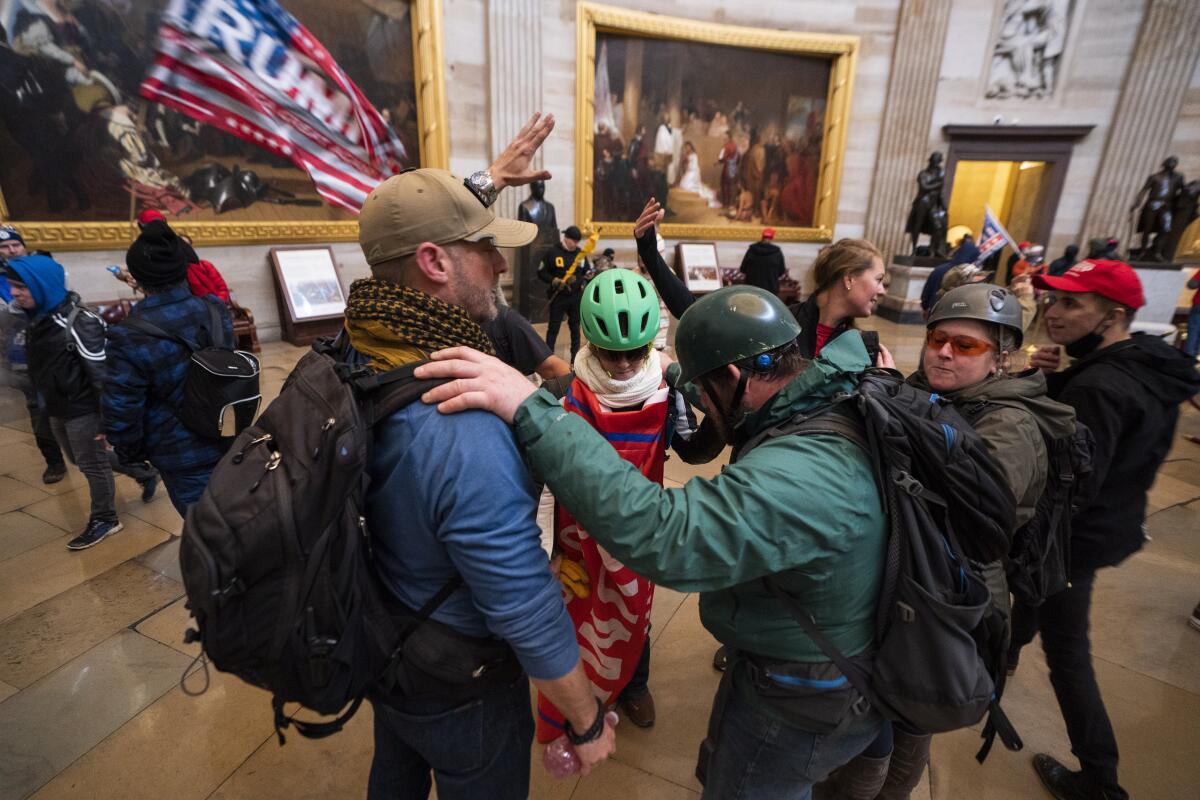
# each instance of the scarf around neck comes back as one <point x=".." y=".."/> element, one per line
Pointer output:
<point x="395" y="325"/>
<point x="612" y="392"/>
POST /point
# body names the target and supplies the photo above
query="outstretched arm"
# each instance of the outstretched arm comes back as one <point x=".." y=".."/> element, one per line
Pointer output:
<point x="672" y="290"/>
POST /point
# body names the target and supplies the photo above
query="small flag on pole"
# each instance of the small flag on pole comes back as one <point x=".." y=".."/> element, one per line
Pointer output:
<point x="992" y="237"/>
<point x="251" y="69"/>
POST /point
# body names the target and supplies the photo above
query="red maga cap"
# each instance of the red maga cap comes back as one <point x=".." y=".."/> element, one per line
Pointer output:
<point x="148" y="216"/>
<point x="768" y="233"/>
<point x="1115" y="280"/>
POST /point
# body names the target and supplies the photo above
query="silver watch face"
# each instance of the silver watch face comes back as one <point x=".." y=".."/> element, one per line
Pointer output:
<point x="482" y="181"/>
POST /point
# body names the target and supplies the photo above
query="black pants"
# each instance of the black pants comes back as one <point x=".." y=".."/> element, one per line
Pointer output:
<point x="1063" y="622"/>
<point x="40" y="421"/>
<point x="567" y="304"/>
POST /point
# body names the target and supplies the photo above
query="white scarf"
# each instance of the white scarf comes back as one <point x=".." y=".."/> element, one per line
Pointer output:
<point x="612" y="392"/>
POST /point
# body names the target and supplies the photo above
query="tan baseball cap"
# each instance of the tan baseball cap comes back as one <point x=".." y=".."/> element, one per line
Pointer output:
<point x="430" y="205"/>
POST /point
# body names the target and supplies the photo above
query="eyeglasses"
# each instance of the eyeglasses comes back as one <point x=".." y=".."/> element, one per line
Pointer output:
<point x="961" y="345"/>
<point x="632" y="356"/>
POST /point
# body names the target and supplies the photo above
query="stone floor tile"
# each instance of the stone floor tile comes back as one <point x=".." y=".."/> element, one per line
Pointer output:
<point x="679" y="470"/>
<point x="617" y="779"/>
<point x="307" y="769"/>
<point x="6" y="691"/>
<point x="168" y="625"/>
<point x="70" y="711"/>
<point x="10" y="435"/>
<point x="209" y="736"/>
<point x="14" y="494"/>
<point x="159" y="512"/>
<point x="1173" y="532"/>
<point x="683" y="683"/>
<point x="20" y="532"/>
<point x="1168" y="491"/>
<point x="38" y="641"/>
<point x="1184" y="469"/>
<point x="44" y="571"/>
<point x="31" y="475"/>
<point x="164" y="559"/>
<point x="666" y="604"/>
<point x="69" y="510"/>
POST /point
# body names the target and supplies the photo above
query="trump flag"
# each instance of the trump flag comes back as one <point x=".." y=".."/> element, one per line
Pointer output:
<point x="249" y="68"/>
<point x="992" y="237"/>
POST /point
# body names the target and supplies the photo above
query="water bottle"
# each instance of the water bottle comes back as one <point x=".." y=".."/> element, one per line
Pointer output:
<point x="559" y="757"/>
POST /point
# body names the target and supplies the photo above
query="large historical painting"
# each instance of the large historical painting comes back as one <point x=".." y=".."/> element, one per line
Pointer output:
<point x="84" y="153"/>
<point x="732" y="129"/>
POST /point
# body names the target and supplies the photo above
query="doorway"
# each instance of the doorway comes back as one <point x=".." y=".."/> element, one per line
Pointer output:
<point x="1017" y="170"/>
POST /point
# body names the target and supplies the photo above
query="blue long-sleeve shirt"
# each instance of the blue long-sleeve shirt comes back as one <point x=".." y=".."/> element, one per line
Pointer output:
<point x="451" y="494"/>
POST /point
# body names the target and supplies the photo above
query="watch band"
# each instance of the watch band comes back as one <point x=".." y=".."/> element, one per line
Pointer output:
<point x="592" y="733"/>
<point x="481" y="185"/>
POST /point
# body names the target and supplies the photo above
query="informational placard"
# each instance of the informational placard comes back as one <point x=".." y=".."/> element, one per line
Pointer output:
<point x="698" y="265"/>
<point x="309" y="282"/>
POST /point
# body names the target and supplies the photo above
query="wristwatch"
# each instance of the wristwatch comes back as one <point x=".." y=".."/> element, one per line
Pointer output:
<point x="592" y="733"/>
<point x="483" y="187"/>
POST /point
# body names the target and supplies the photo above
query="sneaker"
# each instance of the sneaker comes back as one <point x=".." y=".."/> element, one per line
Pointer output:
<point x="96" y="531"/>
<point x="1195" y="620"/>
<point x="149" y="487"/>
<point x="54" y="473"/>
<point x="639" y="708"/>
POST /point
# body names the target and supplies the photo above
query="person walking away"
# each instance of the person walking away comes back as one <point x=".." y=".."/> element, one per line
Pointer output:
<point x="1126" y="388"/>
<point x="564" y="291"/>
<point x="784" y="716"/>
<point x="13" y="324"/>
<point x="145" y="374"/>
<point x="965" y="253"/>
<point x="763" y="263"/>
<point x="65" y="342"/>
<point x="450" y="496"/>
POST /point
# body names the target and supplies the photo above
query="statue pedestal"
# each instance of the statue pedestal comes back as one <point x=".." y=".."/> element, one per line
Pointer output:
<point x="1162" y="281"/>
<point x="902" y="303"/>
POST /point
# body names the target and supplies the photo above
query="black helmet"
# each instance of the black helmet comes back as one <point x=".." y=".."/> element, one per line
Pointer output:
<point x="983" y="302"/>
<point x="729" y="326"/>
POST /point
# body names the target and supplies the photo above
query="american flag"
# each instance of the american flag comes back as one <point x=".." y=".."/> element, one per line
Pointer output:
<point x="992" y="237"/>
<point x="251" y="69"/>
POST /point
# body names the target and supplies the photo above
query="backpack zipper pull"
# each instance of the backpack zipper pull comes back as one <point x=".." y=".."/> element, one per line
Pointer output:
<point x="272" y="465"/>
<point x="241" y="454"/>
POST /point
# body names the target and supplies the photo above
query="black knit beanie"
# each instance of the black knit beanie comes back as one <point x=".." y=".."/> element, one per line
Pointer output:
<point x="158" y="257"/>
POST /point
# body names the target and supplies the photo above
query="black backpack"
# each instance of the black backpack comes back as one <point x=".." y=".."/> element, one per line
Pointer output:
<point x="938" y="663"/>
<point x="279" y="568"/>
<point x="220" y="390"/>
<point x="1040" y="559"/>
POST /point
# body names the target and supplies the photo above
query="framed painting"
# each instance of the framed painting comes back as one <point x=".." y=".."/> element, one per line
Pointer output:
<point x="696" y="263"/>
<point x="84" y="153"/>
<point x="665" y="107"/>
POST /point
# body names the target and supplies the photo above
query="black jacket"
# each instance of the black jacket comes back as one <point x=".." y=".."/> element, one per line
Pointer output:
<point x="763" y="266"/>
<point x="67" y="366"/>
<point x="1128" y="394"/>
<point x="555" y="264"/>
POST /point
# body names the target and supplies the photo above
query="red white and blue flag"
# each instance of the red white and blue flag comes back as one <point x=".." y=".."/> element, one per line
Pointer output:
<point x="992" y="237"/>
<point x="251" y="69"/>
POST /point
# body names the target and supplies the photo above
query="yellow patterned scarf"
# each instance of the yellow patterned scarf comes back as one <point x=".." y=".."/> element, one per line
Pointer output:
<point x="394" y="325"/>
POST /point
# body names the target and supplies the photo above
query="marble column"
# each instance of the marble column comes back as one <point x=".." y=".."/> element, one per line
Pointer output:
<point x="904" y="136"/>
<point x="1156" y="80"/>
<point x="515" y="71"/>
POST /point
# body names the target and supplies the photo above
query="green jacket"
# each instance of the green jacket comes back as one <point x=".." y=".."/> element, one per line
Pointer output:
<point x="803" y="507"/>
<point x="1013" y="433"/>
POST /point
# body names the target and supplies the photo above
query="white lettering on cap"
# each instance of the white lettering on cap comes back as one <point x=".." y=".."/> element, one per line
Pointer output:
<point x="1081" y="267"/>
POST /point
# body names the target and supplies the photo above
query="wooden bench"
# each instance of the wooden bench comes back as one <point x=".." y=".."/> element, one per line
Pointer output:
<point x="245" y="334"/>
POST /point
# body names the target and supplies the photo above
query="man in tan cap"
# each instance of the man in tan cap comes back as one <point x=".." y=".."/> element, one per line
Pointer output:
<point x="451" y="505"/>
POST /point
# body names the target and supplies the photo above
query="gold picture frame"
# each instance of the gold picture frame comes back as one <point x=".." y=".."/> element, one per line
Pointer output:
<point x="841" y="52"/>
<point x="433" y="142"/>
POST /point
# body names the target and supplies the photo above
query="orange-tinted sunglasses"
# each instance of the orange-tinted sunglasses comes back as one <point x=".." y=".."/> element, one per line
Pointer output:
<point x="961" y="345"/>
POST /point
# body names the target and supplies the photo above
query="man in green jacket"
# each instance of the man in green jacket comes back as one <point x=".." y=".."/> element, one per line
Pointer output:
<point x="801" y="509"/>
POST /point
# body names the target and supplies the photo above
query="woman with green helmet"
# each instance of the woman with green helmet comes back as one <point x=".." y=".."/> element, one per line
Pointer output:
<point x="617" y="386"/>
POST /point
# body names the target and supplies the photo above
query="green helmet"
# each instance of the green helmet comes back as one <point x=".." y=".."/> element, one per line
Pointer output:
<point x="729" y="326"/>
<point x="983" y="302"/>
<point x="619" y="310"/>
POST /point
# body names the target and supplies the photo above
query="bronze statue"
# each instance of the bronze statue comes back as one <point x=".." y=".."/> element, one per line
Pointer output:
<point x="928" y="213"/>
<point x="1162" y="191"/>
<point x="527" y="290"/>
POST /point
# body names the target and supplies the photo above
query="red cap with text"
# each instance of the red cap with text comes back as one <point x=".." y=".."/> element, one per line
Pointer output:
<point x="768" y="233"/>
<point x="1114" y="280"/>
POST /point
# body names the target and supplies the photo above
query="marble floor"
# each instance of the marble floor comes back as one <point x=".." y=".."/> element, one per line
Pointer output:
<point x="92" y="653"/>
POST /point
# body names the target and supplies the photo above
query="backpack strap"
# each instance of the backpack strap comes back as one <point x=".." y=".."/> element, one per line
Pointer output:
<point x="216" y="328"/>
<point x="153" y="331"/>
<point x="382" y="394"/>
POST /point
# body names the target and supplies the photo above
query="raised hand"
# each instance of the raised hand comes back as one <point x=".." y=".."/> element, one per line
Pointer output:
<point x="651" y="216"/>
<point x="512" y="167"/>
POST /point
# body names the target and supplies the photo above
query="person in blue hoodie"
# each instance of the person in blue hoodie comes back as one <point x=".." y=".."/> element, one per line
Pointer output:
<point x="12" y="338"/>
<point x="965" y="253"/>
<point x="65" y="345"/>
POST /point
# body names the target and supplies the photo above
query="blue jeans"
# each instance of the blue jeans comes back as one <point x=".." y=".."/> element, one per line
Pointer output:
<point x="761" y="756"/>
<point x="477" y="749"/>
<point x="185" y="486"/>
<point x="1191" y="345"/>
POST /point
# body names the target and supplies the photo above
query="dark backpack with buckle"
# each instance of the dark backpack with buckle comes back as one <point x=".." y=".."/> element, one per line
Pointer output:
<point x="278" y="563"/>
<point x="220" y="390"/>
<point x="939" y="643"/>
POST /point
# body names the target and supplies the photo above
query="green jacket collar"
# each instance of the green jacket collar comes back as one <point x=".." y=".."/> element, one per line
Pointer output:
<point x="833" y="372"/>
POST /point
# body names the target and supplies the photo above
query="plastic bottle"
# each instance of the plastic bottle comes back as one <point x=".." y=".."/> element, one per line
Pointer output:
<point x="559" y="757"/>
